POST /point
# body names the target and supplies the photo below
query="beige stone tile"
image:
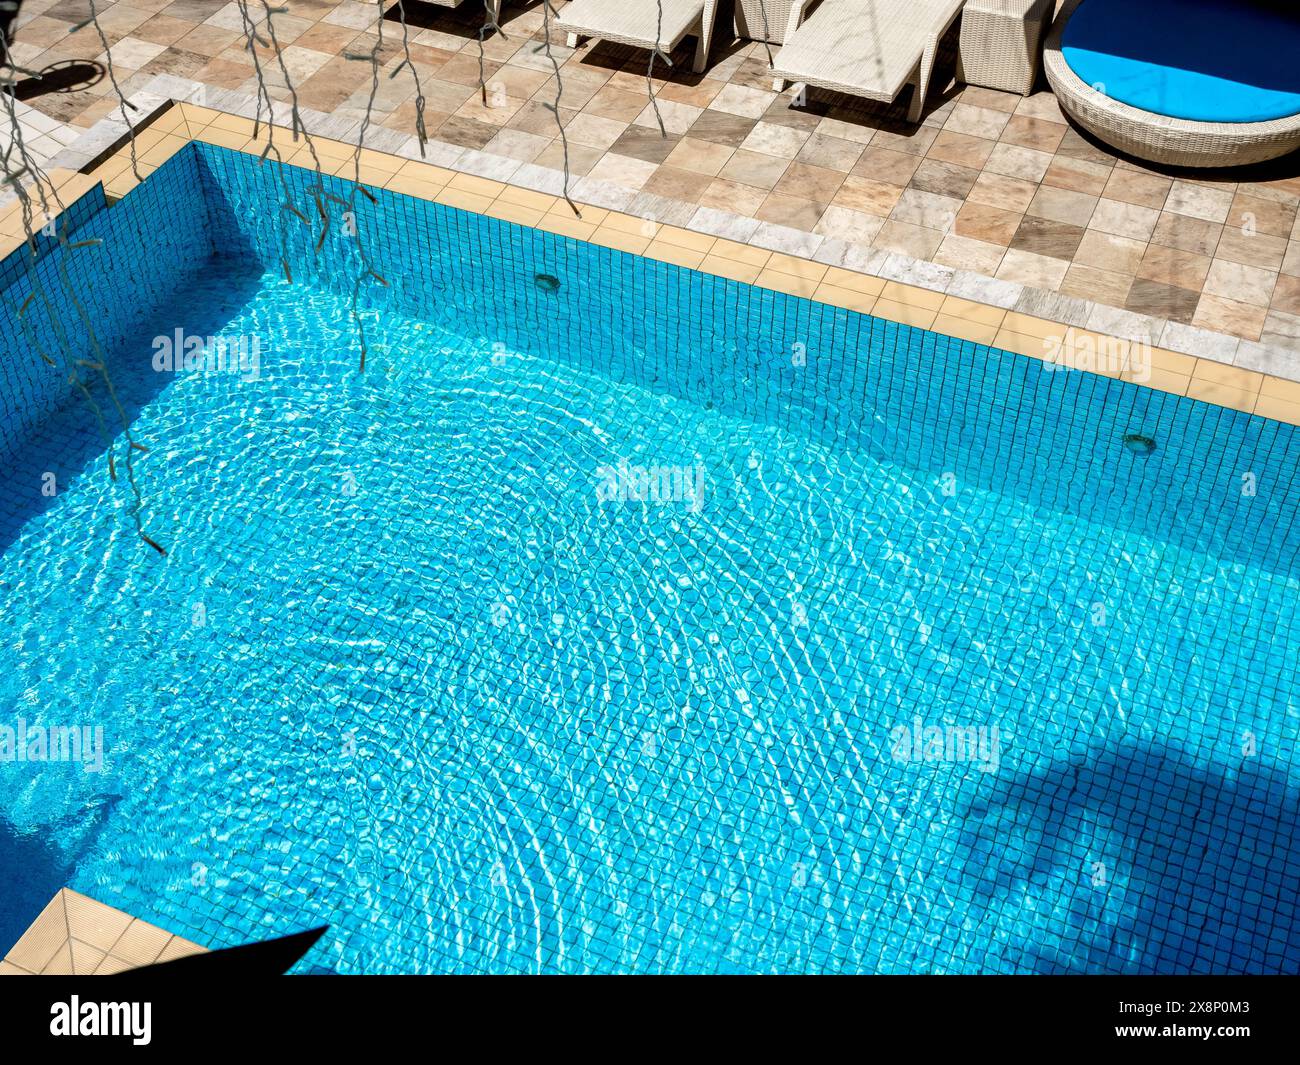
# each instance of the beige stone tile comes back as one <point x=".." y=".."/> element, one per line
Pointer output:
<point x="112" y="965"/>
<point x="1025" y="164"/>
<point x="594" y="131"/>
<point x="1102" y="286"/>
<point x="1078" y="175"/>
<point x="676" y="118"/>
<point x="517" y="144"/>
<point x="844" y="297"/>
<point x="791" y="211"/>
<point x="1207" y="370"/>
<point x="1062" y="205"/>
<point x="580" y="159"/>
<point x="831" y="153"/>
<point x="961" y="150"/>
<point x="1233" y="317"/>
<point x="867" y="195"/>
<point x="1279" y="388"/>
<point x="846" y="224"/>
<point x="1245" y="284"/>
<point x="671" y="253"/>
<point x="768" y="138"/>
<point x="1286" y="295"/>
<point x="1187" y="234"/>
<point x="779" y="282"/>
<point x="966" y="253"/>
<point x="700" y="94"/>
<point x="907" y="139"/>
<point x="904" y="314"/>
<point x="912" y="295"/>
<point x="1170" y="266"/>
<point x="1039" y="134"/>
<point x="943" y="179"/>
<point x="1160" y="380"/>
<point x="971" y="310"/>
<point x="991" y="225"/>
<point x="1261" y="215"/>
<point x="92" y="922"/>
<point x="513" y="212"/>
<point x="742" y="100"/>
<point x="1006" y="193"/>
<point x="691" y="187"/>
<point x="1027" y="268"/>
<point x="851" y="279"/>
<point x="1136" y="187"/>
<point x="569" y="227"/>
<point x="842" y="129"/>
<point x="1042" y="236"/>
<point x="612" y="238"/>
<point x="917" y="241"/>
<point x="964" y="329"/>
<point x="685" y="238"/>
<point x="1124" y="219"/>
<point x="716" y="264"/>
<point x="754" y="168"/>
<point x="977" y="121"/>
<point x="85" y="958"/>
<point x="43" y="938"/>
<point x="1221" y="395"/>
<point x="815" y="183"/>
<point x="1278" y="409"/>
<point x="742" y="253"/>
<point x="1199" y="201"/>
<point x="1251" y="248"/>
<point x="996" y="99"/>
<point x="884" y="164"/>
<point x="1162" y="301"/>
<point x="623" y="170"/>
<point x="724" y="195"/>
<point x="926" y="209"/>
<point x="1291" y="261"/>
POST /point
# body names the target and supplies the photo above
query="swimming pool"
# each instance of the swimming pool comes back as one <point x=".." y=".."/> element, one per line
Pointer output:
<point x="595" y="628"/>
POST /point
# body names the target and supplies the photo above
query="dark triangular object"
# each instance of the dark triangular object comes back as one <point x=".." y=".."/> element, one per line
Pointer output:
<point x="271" y="957"/>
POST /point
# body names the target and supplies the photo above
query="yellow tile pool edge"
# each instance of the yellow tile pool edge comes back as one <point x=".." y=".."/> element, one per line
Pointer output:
<point x="1074" y="349"/>
<point x="78" y="935"/>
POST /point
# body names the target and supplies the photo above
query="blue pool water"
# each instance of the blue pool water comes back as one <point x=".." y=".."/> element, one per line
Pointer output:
<point x="408" y="669"/>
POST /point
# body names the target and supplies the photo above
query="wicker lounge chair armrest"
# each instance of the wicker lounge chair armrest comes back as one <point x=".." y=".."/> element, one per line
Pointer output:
<point x="940" y="28"/>
<point x="796" y="16"/>
<point x="933" y="38"/>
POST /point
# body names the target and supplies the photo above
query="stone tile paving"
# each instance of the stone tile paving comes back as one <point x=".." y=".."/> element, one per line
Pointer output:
<point x="990" y="182"/>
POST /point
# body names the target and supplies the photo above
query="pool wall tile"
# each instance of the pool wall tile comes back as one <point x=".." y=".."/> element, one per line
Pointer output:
<point x="67" y="302"/>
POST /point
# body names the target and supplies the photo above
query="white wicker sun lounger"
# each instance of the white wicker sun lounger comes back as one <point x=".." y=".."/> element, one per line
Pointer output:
<point x="642" y="23"/>
<point x="867" y="48"/>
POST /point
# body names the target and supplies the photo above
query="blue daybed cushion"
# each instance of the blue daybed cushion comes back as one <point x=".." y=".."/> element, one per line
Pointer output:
<point x="1206" y="60"/>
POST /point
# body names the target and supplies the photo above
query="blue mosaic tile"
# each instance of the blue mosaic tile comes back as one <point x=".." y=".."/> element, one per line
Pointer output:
<point x="904" y="664"/>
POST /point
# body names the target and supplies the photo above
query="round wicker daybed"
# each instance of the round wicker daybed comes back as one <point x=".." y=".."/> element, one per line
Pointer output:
<point x="1163" y="79"/>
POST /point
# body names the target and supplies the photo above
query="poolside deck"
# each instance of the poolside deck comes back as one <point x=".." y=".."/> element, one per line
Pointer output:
<point x="990" y="182"/>
<point x="77" y="936"/>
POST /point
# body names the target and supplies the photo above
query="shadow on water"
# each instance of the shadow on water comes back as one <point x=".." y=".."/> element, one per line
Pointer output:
<point x="39" y="863"/>
<point x="72" y="432"/>
<point x="1200" y="867"/>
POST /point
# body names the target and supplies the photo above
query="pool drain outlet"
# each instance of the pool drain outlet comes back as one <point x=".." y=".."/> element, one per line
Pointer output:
<point x="1139" y="444"/>
<point x="547" y="282"/>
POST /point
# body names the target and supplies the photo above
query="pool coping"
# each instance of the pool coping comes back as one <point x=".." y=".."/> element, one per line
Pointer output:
<point x="75" y="935"/>
<point x="1071" y="333"/>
